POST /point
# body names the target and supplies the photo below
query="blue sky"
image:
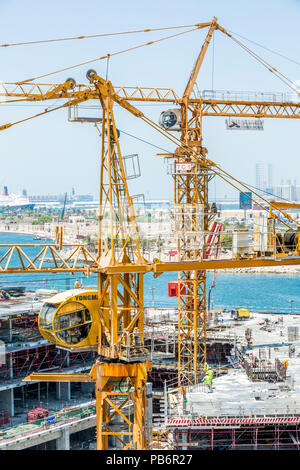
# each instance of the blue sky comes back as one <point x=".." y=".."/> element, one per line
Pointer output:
<point x="50" y="155"/>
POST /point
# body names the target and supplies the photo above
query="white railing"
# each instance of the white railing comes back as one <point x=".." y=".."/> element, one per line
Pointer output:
<point x="268" y="96"/>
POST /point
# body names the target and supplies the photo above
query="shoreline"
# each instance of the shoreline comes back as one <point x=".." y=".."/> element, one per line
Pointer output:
<point x="42" y="235"/>
<point x="261" y="270"/>
<point x="17" y="232"/>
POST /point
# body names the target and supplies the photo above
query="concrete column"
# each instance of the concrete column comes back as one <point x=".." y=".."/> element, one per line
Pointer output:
<point x="165" y="403"/>
<point x="11" y="369"/>
<point x="68" y="359"/>
<point x="7" y="401"/>
<point x="149" y="408"/>
<point x="63" y="442"/>
<point x="10" y="331"/>
<point x="184" y="440"/>
<point x="63" y="391"/>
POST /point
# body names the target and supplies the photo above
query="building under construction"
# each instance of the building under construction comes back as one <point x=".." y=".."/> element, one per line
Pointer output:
<point x="187" y="378"/>
<point x="253" y="404"/>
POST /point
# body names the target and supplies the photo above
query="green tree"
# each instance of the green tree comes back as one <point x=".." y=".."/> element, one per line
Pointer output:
<point x="227" y="240"/>
<point x="43" y="219"/>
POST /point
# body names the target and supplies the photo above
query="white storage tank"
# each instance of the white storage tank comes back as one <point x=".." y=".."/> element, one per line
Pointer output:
<point x="240" y="242"/>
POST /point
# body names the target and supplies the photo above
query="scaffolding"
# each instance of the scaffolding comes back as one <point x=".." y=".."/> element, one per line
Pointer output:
<point x="48" y="422"/>
<point x="274" y="437"/>
<point x="43" y="357"/>
<point x="5" y="417"/>
<point x="261" y="370"/>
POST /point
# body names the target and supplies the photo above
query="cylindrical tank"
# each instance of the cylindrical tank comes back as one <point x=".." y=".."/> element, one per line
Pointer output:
<point x="287" y="240"/>
<point x="290" y="240"/>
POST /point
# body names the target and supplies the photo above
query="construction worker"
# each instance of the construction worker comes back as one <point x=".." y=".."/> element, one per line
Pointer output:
<point x="207" y="381"/>
<point x="77" y="285"/>
<point x="210" y="373"/>
<point x="5" y="295"/>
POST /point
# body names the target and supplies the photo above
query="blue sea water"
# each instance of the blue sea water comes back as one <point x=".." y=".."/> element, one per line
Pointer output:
<point x="258" y="291"/>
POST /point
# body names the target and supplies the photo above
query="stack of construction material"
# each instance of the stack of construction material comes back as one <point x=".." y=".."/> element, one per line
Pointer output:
<point x="36" y="413"/>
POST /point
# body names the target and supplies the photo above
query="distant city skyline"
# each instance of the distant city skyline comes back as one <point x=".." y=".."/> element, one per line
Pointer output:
<point x="51" y="155"/>
<point x="264" y="180"/>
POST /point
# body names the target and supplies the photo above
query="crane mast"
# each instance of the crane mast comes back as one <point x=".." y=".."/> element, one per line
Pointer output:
<point x="192" y="217"/>
<point x="120" y="295"/>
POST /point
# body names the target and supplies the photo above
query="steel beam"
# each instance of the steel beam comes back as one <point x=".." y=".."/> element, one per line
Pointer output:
<point x="47" y="377"/>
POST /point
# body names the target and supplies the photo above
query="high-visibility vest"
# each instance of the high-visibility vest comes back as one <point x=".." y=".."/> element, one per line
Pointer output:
<point x="207" y="380"/>
<point x="210" y="374"/>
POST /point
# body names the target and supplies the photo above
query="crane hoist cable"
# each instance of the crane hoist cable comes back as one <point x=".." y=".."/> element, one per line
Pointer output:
<point x="246" y="187"/>
<point x="212" y="165"/>
<point x="267" y="192"/>
<point x="91" y="36"/>
<point x="266" y="48"/>
<point x="272" y="69"/>
<point x="143" y="140"/>
<point x="257" y="57"/>
<point x="108" y="55"/>
<point x="154" y="125"/>
<point x="47" y="111"/>
<point x="269" y="67"/>
<point x="209" y="163"/>
<point x="252" y="199"/>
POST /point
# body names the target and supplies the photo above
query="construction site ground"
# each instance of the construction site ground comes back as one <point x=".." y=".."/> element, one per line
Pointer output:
<point x="234" y="394"/>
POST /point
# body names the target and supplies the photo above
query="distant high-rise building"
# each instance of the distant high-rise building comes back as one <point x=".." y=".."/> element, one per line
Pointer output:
<point x="290" y="192"/>
<point x="260" y="180"/>
<point x="270" y="175"/>
<point x="264" y="176"/>
<point x="297" y="193"/>
<point x="24" y="192"/>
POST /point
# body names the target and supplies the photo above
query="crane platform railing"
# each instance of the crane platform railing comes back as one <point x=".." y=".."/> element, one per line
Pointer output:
<point x="257" y="96"/>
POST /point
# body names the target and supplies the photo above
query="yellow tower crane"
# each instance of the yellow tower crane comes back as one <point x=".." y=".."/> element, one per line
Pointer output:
<point x="120" y="373"/>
